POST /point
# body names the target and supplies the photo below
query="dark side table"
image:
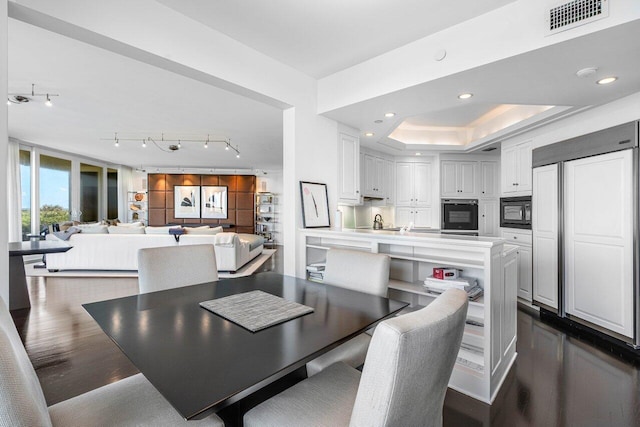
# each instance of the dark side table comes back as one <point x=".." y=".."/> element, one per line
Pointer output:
<point x="18" y="292"/>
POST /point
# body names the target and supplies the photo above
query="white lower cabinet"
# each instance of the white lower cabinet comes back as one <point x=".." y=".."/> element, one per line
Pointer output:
<point x="420" y="217"/>
<point x="544" y="219"/>
<point x="525" y="272"/>
<point x="488" y="217"/>
<point x="489" y="341"/>
<point x="523" y="240"/>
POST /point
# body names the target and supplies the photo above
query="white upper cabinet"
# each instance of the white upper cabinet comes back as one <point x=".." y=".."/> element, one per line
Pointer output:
<point x="404" y="184"/>
<point x="348" y="169"/>
<point x="377" y="177"/>
<point x="422" y="184"/>
<point x="458" y="178"/>
<point x="389" y="181"/>
<point x="516" y="168"/>
<point x="414" y="184"/>
<point x="489" y="179"/>
<point x="373" y="174"/>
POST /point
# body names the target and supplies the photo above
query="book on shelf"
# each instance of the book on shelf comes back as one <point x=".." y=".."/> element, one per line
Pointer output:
<point x="318" y="275"/>
<point x="318" y="266"/>
<point x="464" y="283"/>
<point x="473" y="293"/>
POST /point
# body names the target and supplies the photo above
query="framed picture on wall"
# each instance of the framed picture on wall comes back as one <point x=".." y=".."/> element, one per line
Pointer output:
<point x="186" y="201"/>
<point x="214" y="201"/>
<point x="315" y="204"/>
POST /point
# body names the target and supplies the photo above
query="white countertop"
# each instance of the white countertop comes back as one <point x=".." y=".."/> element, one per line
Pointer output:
<point x="396" y="235"/>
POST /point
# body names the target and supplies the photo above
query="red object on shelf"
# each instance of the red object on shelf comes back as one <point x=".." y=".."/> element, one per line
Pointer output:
<point x="445" y="273"/>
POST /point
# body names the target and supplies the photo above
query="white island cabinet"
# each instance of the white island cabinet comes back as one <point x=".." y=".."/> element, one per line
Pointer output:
<point x="489" y="343"/>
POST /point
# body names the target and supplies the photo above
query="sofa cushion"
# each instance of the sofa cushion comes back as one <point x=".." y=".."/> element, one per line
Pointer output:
<point x="130" y="224"/>
<point x="126" y="230"/>
<point x="203" y="230"/>
<point x="160" y="230"/>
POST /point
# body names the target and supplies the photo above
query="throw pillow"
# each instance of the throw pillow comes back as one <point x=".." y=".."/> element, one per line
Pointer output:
<point x="93" y="228"/>
<point x="66" y="225"/>
<point x="203" y="230"/>
<point x="159" y="230"/>
<point x="64" y="235"/>
<point x="115" y="221"/>
<point x="126" y="230"/>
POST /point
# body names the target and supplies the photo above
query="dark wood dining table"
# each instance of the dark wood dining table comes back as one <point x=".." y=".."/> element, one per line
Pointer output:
<point x="18" y="292"/>
<point x="202" y="363"/>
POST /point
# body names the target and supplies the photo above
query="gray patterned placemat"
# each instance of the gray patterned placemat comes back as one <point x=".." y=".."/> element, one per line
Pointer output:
<point x="256" y="310"/>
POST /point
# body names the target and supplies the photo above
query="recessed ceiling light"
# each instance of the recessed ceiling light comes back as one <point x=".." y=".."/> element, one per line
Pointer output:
<point x="465" y="95"/>
<point x="418" y="154"/>
<point x="368" y="134"/>
<point x="377" y="121"/>
<point x="607" y="80"/>
<point x="389" y="114"/>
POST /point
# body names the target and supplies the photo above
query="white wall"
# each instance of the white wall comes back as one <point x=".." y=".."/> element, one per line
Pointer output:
<point x="4" y="138"/>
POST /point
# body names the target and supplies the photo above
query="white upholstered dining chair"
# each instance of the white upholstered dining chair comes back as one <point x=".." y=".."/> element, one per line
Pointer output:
<point x="132" y="401"/>
<point x="358" y="271"/>
<point x="175" y="266"/>
<point x="403" y="382"/>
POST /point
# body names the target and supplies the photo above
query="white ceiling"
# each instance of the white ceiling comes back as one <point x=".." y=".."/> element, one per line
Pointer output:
<point x="540" y="77"/>
<point x="102" y="92"/>
<point x="322" y="37"/>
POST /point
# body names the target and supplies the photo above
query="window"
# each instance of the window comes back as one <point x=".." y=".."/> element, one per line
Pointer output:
<point x="25" y="185"/>
<point x="112" y="194"/>
<point x="90" y="192"/>
<point x="55" y="190"/>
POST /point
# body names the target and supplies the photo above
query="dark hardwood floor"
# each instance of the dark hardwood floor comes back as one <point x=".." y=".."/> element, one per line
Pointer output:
<point x="557" y="380"/>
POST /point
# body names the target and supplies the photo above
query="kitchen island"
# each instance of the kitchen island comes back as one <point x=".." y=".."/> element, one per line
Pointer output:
<point x="489" y="342"/>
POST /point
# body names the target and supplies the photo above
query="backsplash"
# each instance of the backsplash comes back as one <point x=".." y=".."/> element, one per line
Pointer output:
<point x="362" y="216"/>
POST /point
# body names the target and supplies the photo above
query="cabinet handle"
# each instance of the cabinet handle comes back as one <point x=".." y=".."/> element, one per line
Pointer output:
<point x="515" y="237"/>
<point x="514" y="184"/>
<point x="483" y="192"/>
<point x="357" y="192"/>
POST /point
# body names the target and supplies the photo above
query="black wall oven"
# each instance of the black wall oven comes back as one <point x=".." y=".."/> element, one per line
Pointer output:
<point x="515" y="212"/>
<point x="459" y="214"/>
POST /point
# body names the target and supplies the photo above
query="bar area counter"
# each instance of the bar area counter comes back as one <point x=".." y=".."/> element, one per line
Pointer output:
<point x="489" y="342"/>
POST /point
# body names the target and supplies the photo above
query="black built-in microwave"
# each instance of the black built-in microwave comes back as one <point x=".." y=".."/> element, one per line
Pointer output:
<point x="515" y="212"/>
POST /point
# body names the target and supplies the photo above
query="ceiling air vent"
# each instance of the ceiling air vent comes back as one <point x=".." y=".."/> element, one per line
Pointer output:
<point x="574" y="13"/>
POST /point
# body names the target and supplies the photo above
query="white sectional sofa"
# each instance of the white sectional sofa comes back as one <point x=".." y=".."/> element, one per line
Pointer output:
<point x="120" y="251"/>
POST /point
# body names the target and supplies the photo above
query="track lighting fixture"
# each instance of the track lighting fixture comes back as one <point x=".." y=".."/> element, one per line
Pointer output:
<point x="167" y="145"/>
<point x="24" y="98"/>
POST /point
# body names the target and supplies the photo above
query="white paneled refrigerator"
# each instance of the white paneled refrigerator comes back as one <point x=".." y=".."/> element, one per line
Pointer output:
<point x="585" y="222"/>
